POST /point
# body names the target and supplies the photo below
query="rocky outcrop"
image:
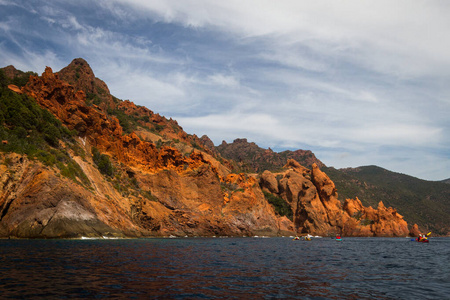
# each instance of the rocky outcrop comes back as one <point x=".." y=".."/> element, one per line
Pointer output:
<point x="314" y="200"/>
<point x="15" y="88"/>
<point x="382" y="221"/>
<point x="80" y="75"/>
<point x="269" y="182"/>
<point x="414" y="231"/>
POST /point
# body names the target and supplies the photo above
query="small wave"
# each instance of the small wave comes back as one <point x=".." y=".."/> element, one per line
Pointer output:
<point x="100" y="237"/>
<point x="90" y="238"/>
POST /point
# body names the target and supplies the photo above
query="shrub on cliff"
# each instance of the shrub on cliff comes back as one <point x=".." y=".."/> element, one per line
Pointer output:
<point x="26" y="126"/>
<point x="281" y="207"/>
<point x="102" y="161"/>
<point x="129" y="123"/>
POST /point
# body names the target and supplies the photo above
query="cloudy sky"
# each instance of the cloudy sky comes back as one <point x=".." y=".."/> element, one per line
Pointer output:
<point x="357" y="82"/>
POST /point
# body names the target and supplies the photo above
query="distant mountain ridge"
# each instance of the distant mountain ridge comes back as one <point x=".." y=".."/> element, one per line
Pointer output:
<point x="251" y="158"/>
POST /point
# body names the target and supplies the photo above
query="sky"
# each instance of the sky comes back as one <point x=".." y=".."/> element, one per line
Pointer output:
<point x="356" y="82"/>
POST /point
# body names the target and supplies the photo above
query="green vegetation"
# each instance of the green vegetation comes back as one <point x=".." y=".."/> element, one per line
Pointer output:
<point x="230" y="187"/>
<point x="26" y="128"/>
<point x="281" y="207"/>
<point x="160" y="143"/>
<point x="358" y="215"/>
<point x="365" y="222"/>
<point x="92" y="98"/>
<point x="157" y="128"/>
<point x="20" y="80"/>
<point x="72" y="170"/>
<point x="128" y="123"/>
<point x="149" y="196"/>
<point x="175" y="128"/>
<point x="196" y="146"/>
<point x="103" y="163"/>
<point x="126" y="184"/>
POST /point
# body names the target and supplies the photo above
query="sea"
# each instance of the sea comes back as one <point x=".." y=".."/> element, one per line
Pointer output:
<point x="225" y="268"/>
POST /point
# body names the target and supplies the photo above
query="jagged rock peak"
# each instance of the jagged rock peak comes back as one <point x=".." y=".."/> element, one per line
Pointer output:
<point x="78" y="70"/>
<point x="79" y="74"/>
<point x="207" y="141"/>
<point x="10" y="71"/>
<point x="80" y="62"/>
<point x="244" y="140"/>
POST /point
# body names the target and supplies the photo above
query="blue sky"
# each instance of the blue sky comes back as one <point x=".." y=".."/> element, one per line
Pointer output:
<point x="357" y="82"/>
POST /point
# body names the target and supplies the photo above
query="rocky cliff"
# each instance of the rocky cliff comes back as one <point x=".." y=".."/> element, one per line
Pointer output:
<point x="156" y="180"/>
<point x="316" y="208"/>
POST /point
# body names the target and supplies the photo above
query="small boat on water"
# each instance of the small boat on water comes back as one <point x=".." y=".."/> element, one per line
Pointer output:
<point x="305" y="238"/>
<point x="422" y="240"/>
<point x="338" y="238"/>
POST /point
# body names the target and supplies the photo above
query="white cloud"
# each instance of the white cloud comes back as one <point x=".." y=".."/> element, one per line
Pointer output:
<point x="293" y="59"/>
<point x="158" y="93"/>
<point x="224" y="80"/>
<point x="397" y="134"/>
<point x="400" y="37"/>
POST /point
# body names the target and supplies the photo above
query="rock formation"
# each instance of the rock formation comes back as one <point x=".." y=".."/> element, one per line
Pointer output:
<point x="414" y="231"/>
<point x="317" y="210"/>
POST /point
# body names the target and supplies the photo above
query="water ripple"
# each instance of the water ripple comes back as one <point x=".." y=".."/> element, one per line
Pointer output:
<point x="233" y="268"/>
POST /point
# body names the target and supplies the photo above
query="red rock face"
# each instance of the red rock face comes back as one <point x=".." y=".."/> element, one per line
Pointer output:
<point x="317" y="210"/>
<point x="381" y="222"/>
<point x="14" y="88"/>
<point x="188" y="198"/>
<point x="101" y="130"/>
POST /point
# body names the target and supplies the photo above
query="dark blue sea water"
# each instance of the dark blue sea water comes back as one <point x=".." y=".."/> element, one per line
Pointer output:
<point x="226" y="268"/>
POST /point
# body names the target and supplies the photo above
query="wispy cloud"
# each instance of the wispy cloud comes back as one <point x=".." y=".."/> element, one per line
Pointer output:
<point x="224" y="80"/>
